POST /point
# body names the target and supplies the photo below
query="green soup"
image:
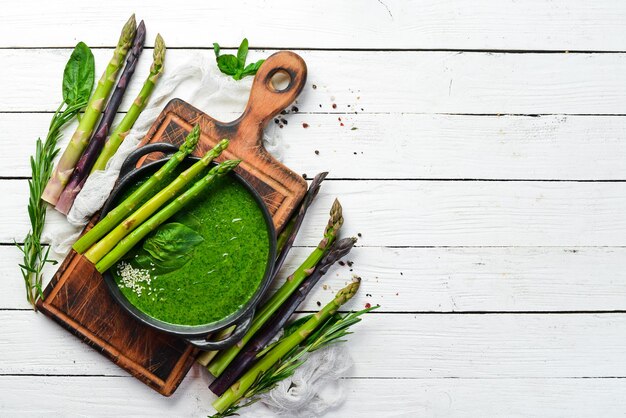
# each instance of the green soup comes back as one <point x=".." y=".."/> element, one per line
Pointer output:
<point x="221" y="271"/>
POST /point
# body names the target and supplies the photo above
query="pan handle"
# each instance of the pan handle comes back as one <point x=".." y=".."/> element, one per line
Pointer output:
<point x="233" y="338"/>
<point x="131" y="161"/>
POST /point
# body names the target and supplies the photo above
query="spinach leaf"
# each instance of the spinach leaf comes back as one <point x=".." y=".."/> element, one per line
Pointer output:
<point x="79" y="75"/>
<point x="167" y="249"/>
<point x="235" y="66"/>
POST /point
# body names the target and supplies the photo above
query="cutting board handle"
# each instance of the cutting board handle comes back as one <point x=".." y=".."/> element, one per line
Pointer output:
<point x="265" y="100"/>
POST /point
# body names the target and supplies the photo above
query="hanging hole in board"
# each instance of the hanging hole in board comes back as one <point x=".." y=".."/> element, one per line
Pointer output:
<point x="280" y="80"/>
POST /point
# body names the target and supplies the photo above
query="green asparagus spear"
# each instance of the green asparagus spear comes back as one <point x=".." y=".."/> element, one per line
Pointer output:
<point x="237" y="390"/>
<point x="122" y="130"/>
<point x="127" y="243"/>
<point x="94" y="108"/>
<point x="293" y="282"/>
<point x="100" y="249"/>
<point x="113" y="218"/>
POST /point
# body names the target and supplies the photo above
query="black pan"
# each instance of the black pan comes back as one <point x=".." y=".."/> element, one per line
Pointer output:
<point x="196" y="335"/>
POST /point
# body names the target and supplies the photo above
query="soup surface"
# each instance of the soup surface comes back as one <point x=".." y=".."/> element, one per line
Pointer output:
<point x="203" y="264"/>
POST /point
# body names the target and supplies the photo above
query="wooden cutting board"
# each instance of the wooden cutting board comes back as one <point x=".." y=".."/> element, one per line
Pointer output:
<point x="77" y="297"/>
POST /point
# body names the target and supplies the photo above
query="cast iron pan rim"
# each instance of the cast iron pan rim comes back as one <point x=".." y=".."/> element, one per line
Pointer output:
<point x="192" y="330"/>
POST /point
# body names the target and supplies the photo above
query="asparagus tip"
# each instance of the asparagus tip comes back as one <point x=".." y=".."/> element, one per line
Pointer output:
<point x="158" y="55"/>
<point x="343" y="246"/>
<point x="192" y="140"/>
<point x="128" y="31"/>
<point x="320" y="176"/>
<point x="224" y="143"/>
<point x="226" y="166"/>
<point x="141" y="32"/>
<point x="348" y="292"/>
<point x="336" y="214"/>
<point x="314" y="188"/>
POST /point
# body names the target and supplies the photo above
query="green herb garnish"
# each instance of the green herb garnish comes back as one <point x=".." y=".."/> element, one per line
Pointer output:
<point x="235" y="66"/>
<point x="167" y="249"/>
<point x="78" y="79"/>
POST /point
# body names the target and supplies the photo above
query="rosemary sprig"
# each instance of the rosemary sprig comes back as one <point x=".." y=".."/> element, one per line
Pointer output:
<point x="331" y="332"/>
<point x="78" y="80"/>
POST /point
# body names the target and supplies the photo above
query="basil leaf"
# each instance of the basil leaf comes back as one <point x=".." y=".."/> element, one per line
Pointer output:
<point x="235" y="66"/>
<point x="79" y="75"/>
<point x="167" y="249"/>
<point x="171" y="241"/>
<point x="251" y="69"/>
<point x="228" y="64"/>
<point x="242" y="53"/>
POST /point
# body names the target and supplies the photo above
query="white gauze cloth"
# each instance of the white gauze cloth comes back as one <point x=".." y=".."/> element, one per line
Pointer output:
<point x="314" y="389"/>
<point x="199" y="82"/>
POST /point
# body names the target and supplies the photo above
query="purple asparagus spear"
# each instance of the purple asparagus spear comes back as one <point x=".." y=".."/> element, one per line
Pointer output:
<point x="87" y="160"/>
<point x="314" y="188"/>
<point x="246" y="357"/>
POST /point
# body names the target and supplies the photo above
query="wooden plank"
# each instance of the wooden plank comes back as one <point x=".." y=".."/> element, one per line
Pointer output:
<point x="436" y="146"/>
<point x="484" y="24"/>
<point x="365" y="397"/>
<point x="423" y="82"/>
<point x="389" y="346"/>
<point x="444" y="279"/>
<point x="436" y="213"/>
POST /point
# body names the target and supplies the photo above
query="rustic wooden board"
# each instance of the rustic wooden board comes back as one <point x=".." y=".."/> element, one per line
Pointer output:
<point x="280" y="187"/>
<point x="77" y="297"/>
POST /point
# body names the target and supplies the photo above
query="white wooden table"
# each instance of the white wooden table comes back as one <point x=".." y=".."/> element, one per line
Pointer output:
<point x="486" y="176"/>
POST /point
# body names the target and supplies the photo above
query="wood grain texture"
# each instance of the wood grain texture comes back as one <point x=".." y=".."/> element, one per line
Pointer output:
<point x="441" y="213"/>
<point x="399" y="398"/>
<point x="437" y="111"/>
<point x="386" y="345"/>
<point x="423" y="81"/>
<point x="425" y="24"/>
<point x="511" y="279"/>
<point x="555" y="147"/>
<point x="77" y="297"/>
